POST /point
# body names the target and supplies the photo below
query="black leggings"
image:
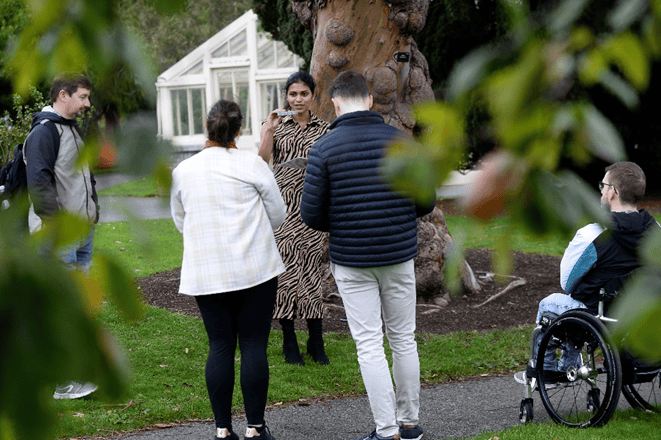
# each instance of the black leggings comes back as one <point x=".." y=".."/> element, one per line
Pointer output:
<point x="246" y="314"/>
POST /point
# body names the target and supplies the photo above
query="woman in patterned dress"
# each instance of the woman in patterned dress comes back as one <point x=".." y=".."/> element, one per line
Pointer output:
<point x="299" y="288"/>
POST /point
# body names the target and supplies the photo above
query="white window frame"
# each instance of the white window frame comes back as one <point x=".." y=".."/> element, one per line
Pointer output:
<point x="190" y="112"/>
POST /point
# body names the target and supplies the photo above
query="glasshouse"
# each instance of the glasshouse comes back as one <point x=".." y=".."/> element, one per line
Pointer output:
<point x="240" y="63"/>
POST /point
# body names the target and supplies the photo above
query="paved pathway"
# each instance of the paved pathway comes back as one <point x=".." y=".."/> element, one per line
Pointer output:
<point x="447" y="411"/>
<point x="115" y="209"/>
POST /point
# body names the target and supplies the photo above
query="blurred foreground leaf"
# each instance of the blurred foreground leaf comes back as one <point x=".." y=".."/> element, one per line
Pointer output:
<point x="46" y="320"/>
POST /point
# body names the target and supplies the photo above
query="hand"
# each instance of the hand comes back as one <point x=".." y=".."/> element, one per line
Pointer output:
<point x="273" y="120"/>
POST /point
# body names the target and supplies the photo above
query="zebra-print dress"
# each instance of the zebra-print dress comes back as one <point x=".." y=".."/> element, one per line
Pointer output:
<point x="301" y="248"/>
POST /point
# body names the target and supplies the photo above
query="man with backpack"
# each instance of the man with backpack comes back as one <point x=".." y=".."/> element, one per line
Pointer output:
<point x="57" y="182"/>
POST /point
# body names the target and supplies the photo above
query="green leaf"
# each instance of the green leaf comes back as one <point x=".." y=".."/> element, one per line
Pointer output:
<point x="454" y="262"/>
<point x="559" y="204"/>
<point x="565" y="15"/>
<point x="604" y="140"/>
<point x="470" y="72"/>
<point x="620" y="88"/>
<point x="140" y="151"/>
<point x="445" y="133"/>
<point x="652" y="35"/>
<point x="638" y="313"/>
<point x="581" y="38"/>
<point x="628" y="53"/>
<point x="592" y="67"/>
<point x="512" y="89"/>
<point x="650" y="249"/>
<point x="56" y="330"/>
<point x="61" y="231"/>
<point x="119" y="284"/>
<point x="626" y="13"/>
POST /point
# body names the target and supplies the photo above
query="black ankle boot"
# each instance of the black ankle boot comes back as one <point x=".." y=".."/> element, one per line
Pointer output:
<point x="316" y="342"/>
<point x="289" y="344"/>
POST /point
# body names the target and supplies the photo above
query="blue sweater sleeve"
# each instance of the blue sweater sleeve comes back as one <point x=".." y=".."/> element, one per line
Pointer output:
<point x="316" y="193"/>
<point x="39" y="152"/>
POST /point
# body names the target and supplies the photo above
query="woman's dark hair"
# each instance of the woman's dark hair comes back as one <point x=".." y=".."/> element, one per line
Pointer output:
<point x="300" y="77"/>
<point x="224" y="122"/>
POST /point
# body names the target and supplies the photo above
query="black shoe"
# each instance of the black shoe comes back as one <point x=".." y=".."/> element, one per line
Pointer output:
<point x="316" y="342"/>
<point x="225" y="433"/>
<point x="290" y="344"/>
<point x="410" y="432"/>
<point x="261" y="433"/>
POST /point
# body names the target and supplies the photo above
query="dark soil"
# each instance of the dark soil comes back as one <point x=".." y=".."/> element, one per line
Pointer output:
<point x="515" y="307"/>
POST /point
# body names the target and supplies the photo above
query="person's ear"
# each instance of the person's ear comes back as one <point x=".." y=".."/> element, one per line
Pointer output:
<point x="336" y="105"/>
<point x="370" y="101"/>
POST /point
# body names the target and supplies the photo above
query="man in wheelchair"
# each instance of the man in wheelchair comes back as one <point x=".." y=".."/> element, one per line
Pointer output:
<point x="598" y="258"/>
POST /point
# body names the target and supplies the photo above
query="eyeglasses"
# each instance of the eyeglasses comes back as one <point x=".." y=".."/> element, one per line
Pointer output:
<point x="602" y="184"/>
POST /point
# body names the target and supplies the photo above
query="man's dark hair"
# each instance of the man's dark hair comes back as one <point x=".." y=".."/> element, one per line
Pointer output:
<point x="69" y="82"/>
<point x="349" y="85"/>
<point x="629" y="181"/>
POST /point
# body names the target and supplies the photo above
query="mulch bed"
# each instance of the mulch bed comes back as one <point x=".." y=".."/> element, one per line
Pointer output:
<point x="514" y="308"/>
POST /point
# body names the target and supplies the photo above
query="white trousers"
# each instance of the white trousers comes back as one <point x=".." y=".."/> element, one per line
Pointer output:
<point x="368" y="294"/>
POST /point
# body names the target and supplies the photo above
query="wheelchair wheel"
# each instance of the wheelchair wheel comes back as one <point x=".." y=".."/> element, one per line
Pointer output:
<point x="578" y="372"/>
<point x="526" y="411"/>
<point x="645" y="392"/>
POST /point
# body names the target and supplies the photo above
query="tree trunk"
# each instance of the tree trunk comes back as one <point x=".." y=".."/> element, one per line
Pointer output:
<point x="374" y="37"/>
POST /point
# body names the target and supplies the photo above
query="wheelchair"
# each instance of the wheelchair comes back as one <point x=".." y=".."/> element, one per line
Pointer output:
<point x="581" y="387"/>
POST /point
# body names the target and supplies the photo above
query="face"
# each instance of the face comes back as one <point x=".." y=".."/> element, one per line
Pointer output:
<point x="76" y="104"/>
<point x="299" y="97"/>
<point x="607" y="193"/>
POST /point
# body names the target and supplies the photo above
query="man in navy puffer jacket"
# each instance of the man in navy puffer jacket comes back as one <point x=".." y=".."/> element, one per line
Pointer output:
<point x="372" y="243"/>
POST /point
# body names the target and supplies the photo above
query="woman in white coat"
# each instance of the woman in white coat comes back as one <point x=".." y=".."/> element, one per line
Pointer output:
<point x="226" y="203"/>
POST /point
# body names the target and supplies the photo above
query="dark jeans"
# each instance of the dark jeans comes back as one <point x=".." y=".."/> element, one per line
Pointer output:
<point x="245" y="314"/>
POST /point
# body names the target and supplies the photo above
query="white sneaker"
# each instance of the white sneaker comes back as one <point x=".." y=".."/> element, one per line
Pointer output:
<point x="520" y="377"/>
<point x="74" y="390"/>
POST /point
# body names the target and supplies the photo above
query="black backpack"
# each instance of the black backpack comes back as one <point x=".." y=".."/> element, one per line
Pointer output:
<point x="13" y="176"/>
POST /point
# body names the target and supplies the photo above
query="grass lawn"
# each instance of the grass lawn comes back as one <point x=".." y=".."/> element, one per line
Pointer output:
<point x="167" y="353"/>
<point x="145" y="187"/>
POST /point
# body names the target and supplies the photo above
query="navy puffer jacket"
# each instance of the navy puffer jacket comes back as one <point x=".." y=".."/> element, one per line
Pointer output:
<point x="369" y="225"/>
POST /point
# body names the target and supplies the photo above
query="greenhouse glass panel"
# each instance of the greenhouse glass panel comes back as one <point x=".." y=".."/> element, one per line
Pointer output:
<point x="182" y="97"/>
<point x="175" y="112"/>
<point x="195" y="70"/>
<point x="285" y="57"/>
<point x="239" y="44"/>
<point x="234" y="86"/>
<point x="222" y="52"/>
<point x="271" y="97"/>
<point x="226" y="93"/>
<point x="266" y="56"/>
<point x="199" y="108"/>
